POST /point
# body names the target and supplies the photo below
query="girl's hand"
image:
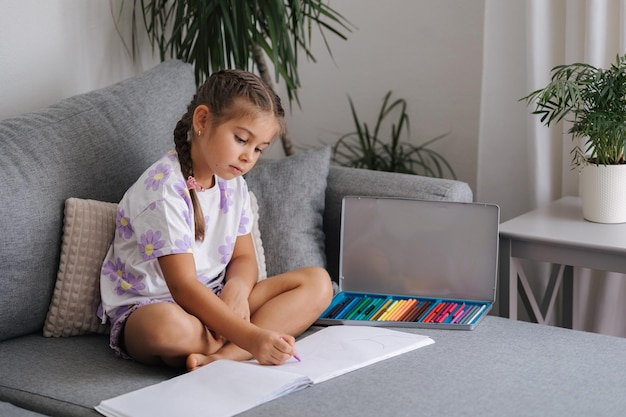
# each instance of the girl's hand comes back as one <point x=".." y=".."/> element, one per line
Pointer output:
<point x="237" y="300"/>
<point x="272" y="348"/>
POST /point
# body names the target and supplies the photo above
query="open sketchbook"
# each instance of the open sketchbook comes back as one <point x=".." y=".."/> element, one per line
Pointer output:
<point x="226" y="388"/>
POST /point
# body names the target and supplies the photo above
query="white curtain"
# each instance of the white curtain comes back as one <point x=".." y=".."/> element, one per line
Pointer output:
<point x="523" y="165"/>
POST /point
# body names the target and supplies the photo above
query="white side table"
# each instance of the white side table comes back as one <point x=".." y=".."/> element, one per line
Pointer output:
<point x="559" y="235"/>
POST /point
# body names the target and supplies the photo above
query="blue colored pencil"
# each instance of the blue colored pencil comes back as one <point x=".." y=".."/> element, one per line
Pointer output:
<point x="337" y="307"/>
<point x="346" y="310"/>
<point x="357" y="308"/>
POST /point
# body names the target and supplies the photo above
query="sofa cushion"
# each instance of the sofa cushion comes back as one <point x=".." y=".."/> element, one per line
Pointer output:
<point x="94" y="146"/>
<point x="88" y="230"/>
<point x="8" y="409"/>
<point x="290" y="192"/>
<point x="68" y="376"/>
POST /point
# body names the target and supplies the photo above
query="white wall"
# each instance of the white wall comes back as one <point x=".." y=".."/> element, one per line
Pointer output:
<point x="428" y="52"/>
<point x="54" y="49"/>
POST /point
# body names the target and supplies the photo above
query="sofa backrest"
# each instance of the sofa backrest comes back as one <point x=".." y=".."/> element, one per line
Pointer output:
<point x="93" y="145"/>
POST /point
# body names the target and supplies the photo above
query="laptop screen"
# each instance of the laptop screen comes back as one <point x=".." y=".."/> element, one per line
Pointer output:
<point x="416" y="247"/>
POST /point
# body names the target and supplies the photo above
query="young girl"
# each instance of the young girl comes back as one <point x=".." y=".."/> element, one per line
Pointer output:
<point x="179" y="281"/>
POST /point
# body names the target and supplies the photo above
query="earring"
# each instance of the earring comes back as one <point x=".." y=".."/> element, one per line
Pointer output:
<point x="199" y="133"/>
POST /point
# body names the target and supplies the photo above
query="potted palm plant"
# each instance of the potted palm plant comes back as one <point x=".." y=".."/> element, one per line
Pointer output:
<point x="218" y="34"/>
<point x="593" y="100"/>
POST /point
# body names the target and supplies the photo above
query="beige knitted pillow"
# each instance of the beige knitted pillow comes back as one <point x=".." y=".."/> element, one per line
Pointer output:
<point x="88" y="229"/>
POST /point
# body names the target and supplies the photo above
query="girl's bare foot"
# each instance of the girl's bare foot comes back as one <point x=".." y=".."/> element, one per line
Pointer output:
<point x="215" y="344"/>
<point x="196" y="360"/>
<point x="229" y="351"/>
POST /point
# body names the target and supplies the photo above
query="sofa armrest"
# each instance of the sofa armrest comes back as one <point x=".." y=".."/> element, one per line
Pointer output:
<point x="344" y="181"/>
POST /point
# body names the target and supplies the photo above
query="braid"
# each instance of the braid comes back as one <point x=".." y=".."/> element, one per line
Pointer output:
<point x="219" y="93"/>
<point x="183" y="149"/>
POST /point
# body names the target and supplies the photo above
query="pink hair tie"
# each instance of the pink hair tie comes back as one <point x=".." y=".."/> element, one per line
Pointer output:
<point x="192" y="184"/>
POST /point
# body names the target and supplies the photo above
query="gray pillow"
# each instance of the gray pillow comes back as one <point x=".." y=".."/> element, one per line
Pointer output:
<point x="291" y="193"/>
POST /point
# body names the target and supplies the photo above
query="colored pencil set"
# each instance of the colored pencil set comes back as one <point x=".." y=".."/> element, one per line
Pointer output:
<point x="381" y="308"/>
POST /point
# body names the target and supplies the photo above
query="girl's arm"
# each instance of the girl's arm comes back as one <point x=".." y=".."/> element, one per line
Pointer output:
<point x="241" y="276"/>
<point x="266" y="346"/>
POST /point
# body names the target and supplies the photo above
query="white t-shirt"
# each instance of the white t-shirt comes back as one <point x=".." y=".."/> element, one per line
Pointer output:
<point x="155" y="218"/>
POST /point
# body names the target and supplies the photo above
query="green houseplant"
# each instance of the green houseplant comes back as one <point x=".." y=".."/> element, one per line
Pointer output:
<point x="593" y="100"/>
<point x="365" y="148"/>
<point x="218" y="34"/>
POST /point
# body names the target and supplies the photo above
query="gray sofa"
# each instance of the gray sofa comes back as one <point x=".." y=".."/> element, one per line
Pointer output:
<point x="92" y="147"/>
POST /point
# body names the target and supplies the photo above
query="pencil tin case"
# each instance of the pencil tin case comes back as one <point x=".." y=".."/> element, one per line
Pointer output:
<point x="415" y="263"/>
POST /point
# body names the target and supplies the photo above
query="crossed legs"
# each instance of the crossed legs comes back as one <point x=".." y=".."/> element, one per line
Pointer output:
<point x="165" y="333"/>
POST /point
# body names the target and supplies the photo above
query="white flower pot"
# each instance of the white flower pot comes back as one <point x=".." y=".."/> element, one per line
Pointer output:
<point x="603" y="192"/>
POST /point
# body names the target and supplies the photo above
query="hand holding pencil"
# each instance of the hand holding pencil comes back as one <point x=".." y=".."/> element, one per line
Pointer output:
<point x="273" y="348"/>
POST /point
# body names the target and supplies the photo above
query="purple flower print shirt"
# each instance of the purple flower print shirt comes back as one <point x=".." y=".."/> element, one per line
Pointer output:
<point x="155" y="218"/>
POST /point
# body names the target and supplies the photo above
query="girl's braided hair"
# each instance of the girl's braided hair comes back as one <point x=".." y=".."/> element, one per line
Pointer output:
<point x="220" y="93"/>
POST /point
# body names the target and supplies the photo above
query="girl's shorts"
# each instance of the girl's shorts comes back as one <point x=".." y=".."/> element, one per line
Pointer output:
<point x="117" y="326"/>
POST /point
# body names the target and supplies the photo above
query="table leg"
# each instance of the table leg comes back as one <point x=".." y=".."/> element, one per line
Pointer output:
<point x="568" y="296"/>
<point x="507" y="281"/>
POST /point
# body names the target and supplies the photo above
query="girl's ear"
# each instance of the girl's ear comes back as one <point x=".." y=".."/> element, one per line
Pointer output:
<point x="201" y="119"/>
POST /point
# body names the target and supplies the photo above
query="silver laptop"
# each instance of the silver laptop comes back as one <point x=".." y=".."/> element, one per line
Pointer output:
<point x="437" y="251"/>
